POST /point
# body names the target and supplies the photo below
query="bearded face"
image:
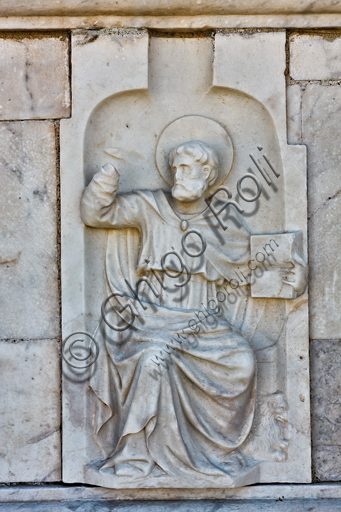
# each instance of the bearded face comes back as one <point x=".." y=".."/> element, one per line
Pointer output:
<point x="190" y="178"/>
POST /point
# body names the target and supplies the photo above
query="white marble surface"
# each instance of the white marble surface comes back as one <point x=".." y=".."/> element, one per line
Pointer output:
<point x="294" y="116"/>
<point x="248" y="84"/>
<point x="255" y="52"/>
<point x="78" y="7"/>
<point x="295" y="214"/>
<point x="275" y="251"/>
<point x="29" y="302"/>
<point x="315" y="57"/>
<point x="30" y="411"/>
<point x="34" y="77"/>
<point x="178" y="23"/>
<point x="172" y="22"/>
<point x="93" y="81"/>
<point x="320" y="132"/>
<point x="320" y="118"/>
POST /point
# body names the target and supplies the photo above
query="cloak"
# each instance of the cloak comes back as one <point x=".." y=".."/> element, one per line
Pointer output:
<point x="171" y="396"/>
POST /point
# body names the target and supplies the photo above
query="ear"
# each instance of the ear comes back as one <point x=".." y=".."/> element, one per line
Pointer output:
<point x="212" y="175"/>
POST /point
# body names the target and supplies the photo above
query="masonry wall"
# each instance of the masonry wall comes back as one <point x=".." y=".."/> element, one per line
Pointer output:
<point x="35" y="79"/>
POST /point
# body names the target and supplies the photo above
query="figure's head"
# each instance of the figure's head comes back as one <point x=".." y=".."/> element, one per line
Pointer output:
<point x="195" y="167"/>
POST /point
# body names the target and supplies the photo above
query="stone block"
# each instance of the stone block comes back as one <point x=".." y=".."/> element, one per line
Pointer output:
<point x="326" y="392"/>
<point x="321" y="118"/>
<point x="327" y="463"/>
<point x="294" y="120"/>
<point x="326" y="409"/>
<point x="29" y="303"/>
<point x="30" y="411"/>
<point x="315" y="57"/>
<point x="325" y="270"/>
<point x="34" y="78"/>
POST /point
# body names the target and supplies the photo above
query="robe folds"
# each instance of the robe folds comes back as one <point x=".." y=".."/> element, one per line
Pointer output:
<point x="175" y="392"/>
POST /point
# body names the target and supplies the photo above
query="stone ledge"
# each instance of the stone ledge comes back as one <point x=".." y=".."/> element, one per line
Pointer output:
<point x="52" y="492"/>
<point x="185" y="22"/>
<point x="165" y="7"/>
<point x="310" y="505"/>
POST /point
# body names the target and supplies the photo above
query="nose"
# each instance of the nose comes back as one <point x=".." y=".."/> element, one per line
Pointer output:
<point x="178" y="173"/>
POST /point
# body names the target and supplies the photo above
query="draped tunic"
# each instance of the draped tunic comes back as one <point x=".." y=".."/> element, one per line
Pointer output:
<point x="176" y="391"/>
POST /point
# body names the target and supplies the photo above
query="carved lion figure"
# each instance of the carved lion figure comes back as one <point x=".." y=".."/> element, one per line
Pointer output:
<point x="271" y="417"/>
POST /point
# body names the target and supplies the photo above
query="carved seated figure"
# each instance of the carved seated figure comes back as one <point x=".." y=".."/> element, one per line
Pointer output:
<point x="174" y="388"/>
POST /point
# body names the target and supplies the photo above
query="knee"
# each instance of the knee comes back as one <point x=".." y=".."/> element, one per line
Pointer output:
<point x="245" y="363"/>
<point x="249" y="364"/>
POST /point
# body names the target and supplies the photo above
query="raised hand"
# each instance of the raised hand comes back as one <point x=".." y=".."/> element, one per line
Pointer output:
<point x="111" y="171"/>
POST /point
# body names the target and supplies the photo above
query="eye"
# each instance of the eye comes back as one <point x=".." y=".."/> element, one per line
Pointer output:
<point x="186" y="170"/>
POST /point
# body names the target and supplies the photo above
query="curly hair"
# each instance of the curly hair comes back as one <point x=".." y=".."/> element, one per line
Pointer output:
<point x="200" y="152"/>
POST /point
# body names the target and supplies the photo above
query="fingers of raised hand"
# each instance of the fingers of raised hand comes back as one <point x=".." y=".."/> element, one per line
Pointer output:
<point x="300" y="260"/>
<point x="291" y="261"/>
<point x="111" y="169"/>
<point x="289" y="276"/>
<point x="296" y="261"/>
<point x="287" y="281"/>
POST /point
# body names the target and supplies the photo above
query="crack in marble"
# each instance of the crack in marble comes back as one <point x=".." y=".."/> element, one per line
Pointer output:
<point x="325" y="204"/>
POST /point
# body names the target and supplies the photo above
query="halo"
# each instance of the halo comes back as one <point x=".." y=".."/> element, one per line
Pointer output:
<point x="194" y="127"/>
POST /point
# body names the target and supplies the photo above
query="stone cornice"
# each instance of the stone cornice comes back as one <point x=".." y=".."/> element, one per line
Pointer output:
<point x="172" y="23"/>
<point x="166" y="7"/>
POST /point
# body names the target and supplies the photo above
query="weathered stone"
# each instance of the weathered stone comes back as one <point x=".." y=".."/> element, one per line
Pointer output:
<point x="164" y="7"/>
<point x="327" y="463"/>
<point x="294" y="119"/>
<point x="321" y="121"/>
<point x="321" y="118"/>
<point x="29" y="305"/>
<point x="83" y="494"/>
<point x="34" y="78"/>
<point x="326" y="392"/>
<point x="315" y="57"/>
<point x="30" y="411"/>
<point x="176" y="22"/>
<point x="326" y="409"/>
<point x="136" y="107"/>
<point x="325" y="270"/>
<point x="280" y="505"/>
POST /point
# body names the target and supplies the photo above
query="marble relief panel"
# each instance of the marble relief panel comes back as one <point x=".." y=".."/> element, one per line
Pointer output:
<point x="184" y="265"/>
